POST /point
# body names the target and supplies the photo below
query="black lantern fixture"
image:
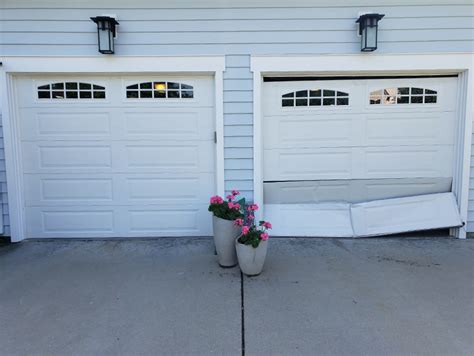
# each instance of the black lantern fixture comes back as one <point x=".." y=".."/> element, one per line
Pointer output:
<point x="105" y="33"/>
<point x="368" y="26"/>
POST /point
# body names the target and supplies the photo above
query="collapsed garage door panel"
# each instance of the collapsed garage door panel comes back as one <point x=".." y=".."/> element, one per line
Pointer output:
<point x="381" y="217"/>
<point x="392" y="216"/>
<point x="117" y="165"/>
<point x="303" y="220"/>
<point x="356" y="141"/>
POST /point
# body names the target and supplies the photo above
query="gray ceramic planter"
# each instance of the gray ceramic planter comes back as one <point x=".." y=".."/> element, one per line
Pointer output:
<point x="251" y="259"/>
<point x="225" y="233"/>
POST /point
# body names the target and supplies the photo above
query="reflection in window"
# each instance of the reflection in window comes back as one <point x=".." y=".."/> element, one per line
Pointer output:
<point x="315" y="97"/>
<point x="71" y="90"/>
<point x="160" y="90"/>
<point x="403" y="95"/>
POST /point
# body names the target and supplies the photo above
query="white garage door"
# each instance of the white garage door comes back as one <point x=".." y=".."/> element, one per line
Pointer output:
<point x="334" y="143"/>
<point x="116" y="156"/>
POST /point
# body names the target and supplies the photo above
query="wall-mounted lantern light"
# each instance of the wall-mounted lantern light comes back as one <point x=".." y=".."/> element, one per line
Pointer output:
<point x="106" y="33"/>
<point x="368" y="26"/>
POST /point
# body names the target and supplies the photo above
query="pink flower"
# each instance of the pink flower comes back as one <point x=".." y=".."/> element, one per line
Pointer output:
<point x="245" y="230"/>
<point x="238" y="222"/>
<point x="264" y="236"/>
<point x="230" y="205"/>
<point x="230" y="197"/>
<point x="266" y="225"/>
<point x="236" y="206"/>
<point x="250" y="217"/>
<point x="216" y="200"/>
<point x="253" y="207"/>
<point x="235" y="192"/>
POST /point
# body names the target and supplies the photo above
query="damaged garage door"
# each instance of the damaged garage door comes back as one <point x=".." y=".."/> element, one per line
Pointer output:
<point x="359" y="157"/>
<point x="378" y="217"/>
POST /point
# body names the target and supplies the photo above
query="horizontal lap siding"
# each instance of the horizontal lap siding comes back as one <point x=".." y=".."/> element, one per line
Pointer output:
<point x="236" y="30"/>
<point x="57" y="30"/>
<point x="238" y="127"/>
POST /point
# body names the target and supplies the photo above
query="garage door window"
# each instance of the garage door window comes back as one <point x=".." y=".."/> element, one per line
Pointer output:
<point x="315" y="97"/>
<point x="404" y="95"/>
<point x="71" y="90"/>
<point x="160" y="90"/>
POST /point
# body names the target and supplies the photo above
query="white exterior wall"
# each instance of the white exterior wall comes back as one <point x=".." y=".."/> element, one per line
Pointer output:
<point x="236" y="30"/>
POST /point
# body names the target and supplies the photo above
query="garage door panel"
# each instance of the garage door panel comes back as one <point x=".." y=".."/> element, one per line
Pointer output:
<point x="66" y="156"/>
<point x="56" y="124"/>
<point x="351" y="190"/>
<point x="358" y="163"/>
<point x="176" y="189"/>
<point x="446" y="91"/>
<point x="307" y="164"/>
<point x="357" y="130"/>
<point x="399" y="162"/>
<point x="67" y="190"/>
<point x="387" y="129"/>
<point x="332" y="219"/>
<point x="103" y="156"/>
<point x="169" y="222"/>
<point x="393" y="216"/>
<point x="120" y="221"/>
<point x="119" y="188"/>
<point x="203" y="89"/>
<point x="309" y="131"/>
<point x="169" y="125"/>
<point x="168" y="157"/>
<point x="50" y="222"/>
<point x="179" y="124"/>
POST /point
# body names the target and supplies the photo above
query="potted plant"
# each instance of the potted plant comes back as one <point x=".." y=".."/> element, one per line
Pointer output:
<point x="251" y="245"/>
<point x="225" y="212"/>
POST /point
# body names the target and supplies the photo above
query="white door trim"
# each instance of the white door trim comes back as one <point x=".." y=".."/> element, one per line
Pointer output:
<point x="375" y="64"/>
<point x="11" y="65"/>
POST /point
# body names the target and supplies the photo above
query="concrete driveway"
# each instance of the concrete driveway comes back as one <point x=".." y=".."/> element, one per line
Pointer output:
<point x="404" y="296"/>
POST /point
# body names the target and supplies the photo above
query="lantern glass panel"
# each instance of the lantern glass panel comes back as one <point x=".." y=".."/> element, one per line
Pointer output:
<point x="371" y="37"/>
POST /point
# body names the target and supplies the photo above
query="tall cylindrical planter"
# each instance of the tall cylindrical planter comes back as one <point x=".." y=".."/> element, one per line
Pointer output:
<point x="225" y="233"/>
<point x="251" y="259"/>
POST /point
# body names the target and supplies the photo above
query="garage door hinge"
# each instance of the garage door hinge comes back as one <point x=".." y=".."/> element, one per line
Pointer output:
<point x="215" y="136"/>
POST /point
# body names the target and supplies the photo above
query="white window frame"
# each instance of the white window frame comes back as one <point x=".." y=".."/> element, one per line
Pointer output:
<point x="461" y="64"/>
<point x="12" y="65"/>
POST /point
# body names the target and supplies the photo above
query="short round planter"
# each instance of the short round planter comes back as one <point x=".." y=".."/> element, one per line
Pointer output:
<point x="251" y="260"/>
<point x="225" y="233"/>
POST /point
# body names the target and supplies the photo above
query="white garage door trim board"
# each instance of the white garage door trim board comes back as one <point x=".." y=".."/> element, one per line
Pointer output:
<point x="210" y="65"/>
<point x="374" y="64"/>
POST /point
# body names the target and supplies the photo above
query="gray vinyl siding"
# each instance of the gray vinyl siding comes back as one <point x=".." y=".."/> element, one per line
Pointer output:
<point x="236" y="29"/>
<point x="238" y="128"/>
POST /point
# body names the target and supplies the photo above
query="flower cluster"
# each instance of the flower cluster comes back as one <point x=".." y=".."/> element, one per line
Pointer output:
<point x="216" y="200"/>
<point x="251" y="233"/>
<point x="229" y="209"/>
